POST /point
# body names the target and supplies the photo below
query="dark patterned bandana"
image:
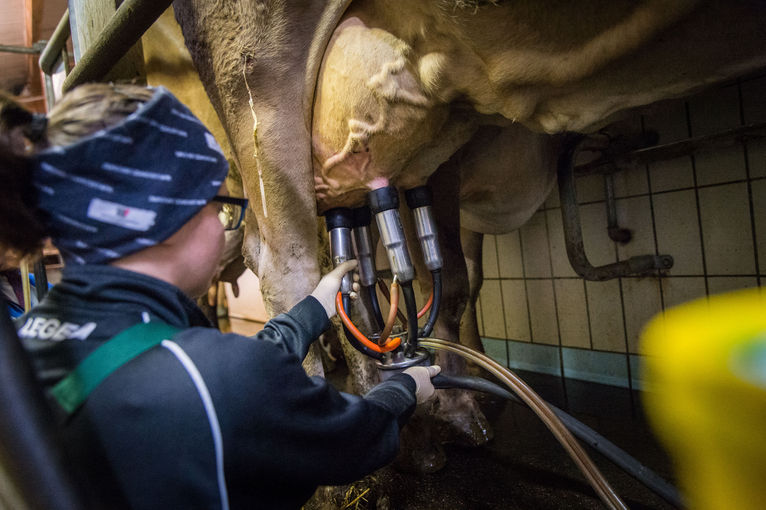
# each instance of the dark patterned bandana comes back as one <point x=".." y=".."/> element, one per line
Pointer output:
<point x="130" y="186"/>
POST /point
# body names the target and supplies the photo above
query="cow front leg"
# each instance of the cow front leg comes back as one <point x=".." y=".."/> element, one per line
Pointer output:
<point x="286" y="273"/>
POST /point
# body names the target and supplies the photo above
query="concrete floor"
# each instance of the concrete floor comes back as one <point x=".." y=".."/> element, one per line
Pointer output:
<point x="540" y="475"/>
<point x="524" y="467"/>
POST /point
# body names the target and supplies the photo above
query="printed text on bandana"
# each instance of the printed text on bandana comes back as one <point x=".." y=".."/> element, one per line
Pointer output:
<point x="125" y="216"/>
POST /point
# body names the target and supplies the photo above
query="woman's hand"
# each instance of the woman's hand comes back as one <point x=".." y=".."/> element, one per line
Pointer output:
<point x="424" y="388"/>
<point x="329" y="285"/>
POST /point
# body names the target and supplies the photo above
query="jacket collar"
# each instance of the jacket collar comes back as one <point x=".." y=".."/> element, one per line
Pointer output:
<point x="108" y="286"/>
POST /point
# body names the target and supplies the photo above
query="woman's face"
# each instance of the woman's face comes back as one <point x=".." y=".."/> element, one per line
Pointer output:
<point x="189" y="258"/>
<point x="206" y="248"/>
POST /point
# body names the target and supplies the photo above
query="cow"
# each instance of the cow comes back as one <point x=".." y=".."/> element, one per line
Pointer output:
<point x="416" y="87"/>
<point x="167" y="63"/>
<point x="322" y="100"/>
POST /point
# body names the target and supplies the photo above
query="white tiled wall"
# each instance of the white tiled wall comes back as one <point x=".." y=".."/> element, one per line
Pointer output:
<point x="708" y="211"/>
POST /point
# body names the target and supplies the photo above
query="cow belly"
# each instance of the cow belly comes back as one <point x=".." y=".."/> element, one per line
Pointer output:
<point x="373" y="121"/>
<point x="506" y="174"/>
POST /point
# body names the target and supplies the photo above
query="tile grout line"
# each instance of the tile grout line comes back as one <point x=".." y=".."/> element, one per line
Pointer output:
<point x="526" y="290"/>
<point x="624" y="322"/>
<point x="481" y="258"/>
<point x="665" y="191"/>
<point x="625" y="337"/>
<point x="660" y="278"/>
<point x="502" y="304"/>
<point x="745" y="154"/>
<point x="697" y="200"/>
<point x="555" y="300"/>
<point x="636" y="277"/>
<point x="587" y="313"/>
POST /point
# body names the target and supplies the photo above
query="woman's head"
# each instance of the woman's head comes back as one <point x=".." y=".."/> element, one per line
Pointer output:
<point x="91" y="108"/>
<point x="121" y="168"/>
<point x="80" y="113"/>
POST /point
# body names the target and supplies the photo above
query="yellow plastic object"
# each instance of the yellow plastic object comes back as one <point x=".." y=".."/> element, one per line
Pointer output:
<point x="705" y="369"/>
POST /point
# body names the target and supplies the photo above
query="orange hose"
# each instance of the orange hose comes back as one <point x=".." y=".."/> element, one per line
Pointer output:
<point x="389" y="346"/>
<point x="427" y="305"/>
<point x="387" y="295"/>
<point x="421" y="313"/>
<point x="393" y="309"/>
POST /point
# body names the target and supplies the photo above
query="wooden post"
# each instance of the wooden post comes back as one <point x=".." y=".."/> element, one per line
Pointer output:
<point x="87" y="18"/>
<point x="33" y="10"/>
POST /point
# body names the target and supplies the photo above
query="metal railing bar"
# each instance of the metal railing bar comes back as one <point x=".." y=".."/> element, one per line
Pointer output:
<point x="28" y="50"/>
<point x="52" y="51"/>
<point x="124" y="29"/>
<point x="672" y="150"/>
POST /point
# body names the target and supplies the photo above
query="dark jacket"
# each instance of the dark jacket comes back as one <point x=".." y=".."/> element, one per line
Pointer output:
<point x="206" y="419"/>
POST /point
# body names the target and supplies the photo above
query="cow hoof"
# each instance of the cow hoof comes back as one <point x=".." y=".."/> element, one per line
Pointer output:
<point x="424" y="460"/>
<point x="420" y="451"/>
<point x="462" y="420"/>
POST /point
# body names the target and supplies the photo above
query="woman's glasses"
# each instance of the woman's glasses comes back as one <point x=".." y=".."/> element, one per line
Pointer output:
<point x="231" y="210"/>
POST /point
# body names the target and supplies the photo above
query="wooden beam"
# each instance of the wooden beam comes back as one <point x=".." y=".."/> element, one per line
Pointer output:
<point x="33" y="15"/>
<point x="34" y="103"/>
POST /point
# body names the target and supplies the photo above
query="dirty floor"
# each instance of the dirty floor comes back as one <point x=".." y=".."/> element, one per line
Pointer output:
<point x="524" y="467"/>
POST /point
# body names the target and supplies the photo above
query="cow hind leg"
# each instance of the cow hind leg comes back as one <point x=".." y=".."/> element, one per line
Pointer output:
<point x="469" y="325"/>
<point x="457" y="411"/>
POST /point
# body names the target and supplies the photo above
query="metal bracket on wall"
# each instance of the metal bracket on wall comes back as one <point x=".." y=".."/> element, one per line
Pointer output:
<point x="627" y="153"/>
<point x="570" y="216"/>
<point x="616" y="233"/>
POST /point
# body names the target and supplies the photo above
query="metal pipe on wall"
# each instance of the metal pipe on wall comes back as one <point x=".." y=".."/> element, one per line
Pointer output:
<point x="645" y="155"/>
<point x="570" y="217"/>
